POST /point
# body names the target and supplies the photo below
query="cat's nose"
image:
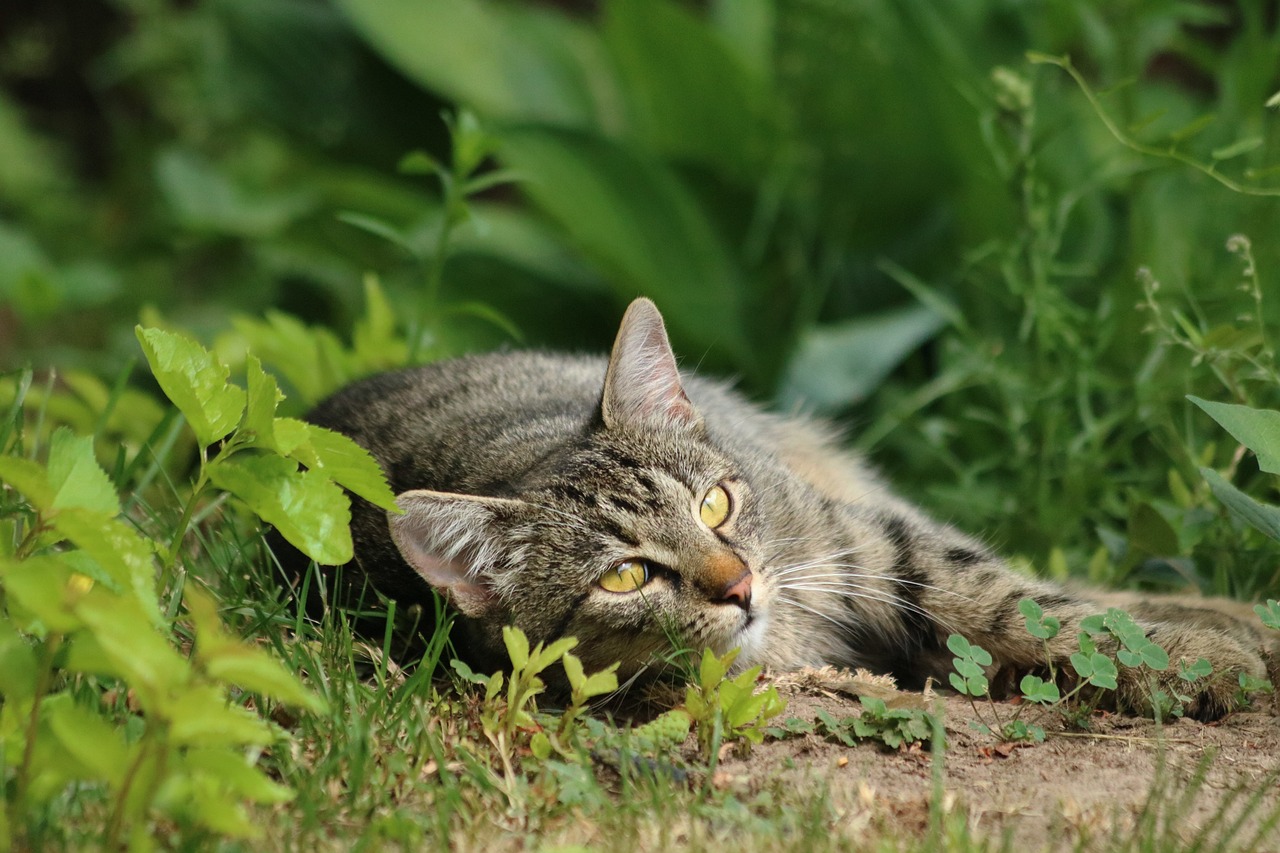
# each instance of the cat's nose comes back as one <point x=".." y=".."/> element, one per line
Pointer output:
<point x="739" y="592"/>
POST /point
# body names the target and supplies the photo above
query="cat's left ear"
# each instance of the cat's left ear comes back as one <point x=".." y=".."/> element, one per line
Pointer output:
<point x="454" y="542"/>
<point x="642" y="383"/>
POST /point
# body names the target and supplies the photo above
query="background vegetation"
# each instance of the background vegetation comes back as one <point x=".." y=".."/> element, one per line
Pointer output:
<point x="1004" y="278"/>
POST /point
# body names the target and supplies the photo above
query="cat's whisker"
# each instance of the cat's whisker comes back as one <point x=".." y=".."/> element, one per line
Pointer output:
<point x="794" y="602"/>
<point x="851" y="590"/>
<point x="886" y="579"/>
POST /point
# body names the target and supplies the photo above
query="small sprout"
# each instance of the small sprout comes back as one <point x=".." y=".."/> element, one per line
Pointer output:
<point x="1190" y="672"/>
<point x="1038" y="625"/>
<point x="1269" y="613"/>
<point x="969" y="677"/>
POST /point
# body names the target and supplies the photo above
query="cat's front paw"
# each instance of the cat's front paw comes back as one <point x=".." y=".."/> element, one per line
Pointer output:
<point x="1207" y="697"/>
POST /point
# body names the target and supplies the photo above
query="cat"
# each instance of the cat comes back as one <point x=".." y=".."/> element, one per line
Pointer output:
<point x="630" y="505"/>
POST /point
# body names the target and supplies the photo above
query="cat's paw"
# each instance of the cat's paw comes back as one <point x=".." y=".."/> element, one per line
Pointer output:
<point x="1208" y="697"/>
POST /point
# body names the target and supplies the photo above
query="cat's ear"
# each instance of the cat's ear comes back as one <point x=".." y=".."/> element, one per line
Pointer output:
<point x="642" y="383"/>
<point x="451" y="541"/>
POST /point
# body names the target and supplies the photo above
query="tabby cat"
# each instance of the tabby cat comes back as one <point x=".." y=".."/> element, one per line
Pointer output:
<point x="630" y="505"/>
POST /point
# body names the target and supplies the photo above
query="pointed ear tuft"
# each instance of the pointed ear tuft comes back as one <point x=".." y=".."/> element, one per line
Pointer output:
<point x="643" y="381"/>
<point x="451" y="541"/>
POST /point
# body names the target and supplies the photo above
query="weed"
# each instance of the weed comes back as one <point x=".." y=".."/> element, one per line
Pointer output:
<point x="724" y="709"/>
<point x="892" y="727"/>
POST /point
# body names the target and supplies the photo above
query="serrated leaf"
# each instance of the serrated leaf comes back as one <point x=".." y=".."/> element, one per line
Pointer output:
<point x="1256" y="429"/>
<point x="304" y="506"/>
<point x="75" y="476"/>
<point x="119" y="550"/>
<point x="350" y="466"/>
<point x="261" y="401"/>
<point x="195" y="381"/>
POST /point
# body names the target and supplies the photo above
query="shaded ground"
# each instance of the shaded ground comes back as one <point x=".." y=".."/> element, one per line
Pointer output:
<point x="1186" y="779"/>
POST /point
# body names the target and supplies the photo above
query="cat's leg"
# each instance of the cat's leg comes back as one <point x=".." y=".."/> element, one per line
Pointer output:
<point x="939" y="581"/>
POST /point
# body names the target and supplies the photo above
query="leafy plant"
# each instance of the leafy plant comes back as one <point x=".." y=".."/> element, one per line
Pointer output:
<point x="83" y="619"/>
<point x="506" y="713"/>
<point x="892" y="727"/>
<point x="724" y="709"/>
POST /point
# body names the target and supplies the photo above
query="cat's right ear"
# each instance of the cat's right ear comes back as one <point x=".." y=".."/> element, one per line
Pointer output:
<point x="450" y="540"/>
<point x="642" y="383"/>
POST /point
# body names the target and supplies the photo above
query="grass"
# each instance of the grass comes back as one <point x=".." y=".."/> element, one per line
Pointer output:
<point x="1026" y="206"/>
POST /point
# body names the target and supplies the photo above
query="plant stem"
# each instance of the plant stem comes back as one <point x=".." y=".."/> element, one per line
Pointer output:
<point x="23" y="780"/>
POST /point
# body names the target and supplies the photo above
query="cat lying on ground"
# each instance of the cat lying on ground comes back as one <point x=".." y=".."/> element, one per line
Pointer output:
<point x="630" y="505"/>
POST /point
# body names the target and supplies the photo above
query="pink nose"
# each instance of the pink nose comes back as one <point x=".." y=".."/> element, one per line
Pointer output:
<point x="739" y="592"/>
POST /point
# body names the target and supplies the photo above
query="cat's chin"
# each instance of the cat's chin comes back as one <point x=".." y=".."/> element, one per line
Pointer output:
<point x="751" y="640"/>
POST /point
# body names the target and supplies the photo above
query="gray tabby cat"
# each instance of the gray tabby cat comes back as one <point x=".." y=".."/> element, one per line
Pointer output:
<point x="629" y="505"/>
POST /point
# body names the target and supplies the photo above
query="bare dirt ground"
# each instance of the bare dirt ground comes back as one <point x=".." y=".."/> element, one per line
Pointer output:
<point x="1076" y="790"/>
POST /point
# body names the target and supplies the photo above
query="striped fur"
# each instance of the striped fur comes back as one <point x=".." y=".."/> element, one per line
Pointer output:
<point x="526" y="476"/>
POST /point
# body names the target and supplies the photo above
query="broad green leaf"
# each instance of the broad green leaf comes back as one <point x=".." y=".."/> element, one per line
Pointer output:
<point x="231" y="770"/>
<point x="235" y="662"/>
<point x="305" y="506"/>
<point x="642" y="226"/>
<point x="838" y="365"/>
<point x="1150" y="533"/>
<point x="1256" y="429"/>
<point x="292" y="438"/>
<point x="503" y="60"/>
<point x="48" y="588"/>
<point x="76" y="477"/>
<point x="1154" y="657"/>
<point x="195" y="381"/>
<point x="135" y="650"/>
<point x="260" y="409"/>
<point x="1269" y="613"/>
<point x="30" y="478"/>
<point x="206" y="198"/>
<point x="202" y="716"/>
<point x="94" y="742"/>
<point x="687" y="96"/>
<point x="255" y="670"/>
<point x="350" y="466"/>
<point x="312" y="360"/>
<point x="122" y="552"/>
<point x="1264" y="517"/>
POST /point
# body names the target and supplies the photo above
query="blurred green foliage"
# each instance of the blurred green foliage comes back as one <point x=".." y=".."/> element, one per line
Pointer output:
<point x="880" y="211"/>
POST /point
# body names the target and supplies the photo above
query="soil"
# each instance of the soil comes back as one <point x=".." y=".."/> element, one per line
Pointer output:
<point x="1126" y="776"/>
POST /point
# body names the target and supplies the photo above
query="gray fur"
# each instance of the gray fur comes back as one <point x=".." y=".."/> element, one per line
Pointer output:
<point x="526" y="476"/>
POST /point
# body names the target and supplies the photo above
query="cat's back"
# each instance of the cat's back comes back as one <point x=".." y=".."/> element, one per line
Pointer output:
<point x="465" y="423"/>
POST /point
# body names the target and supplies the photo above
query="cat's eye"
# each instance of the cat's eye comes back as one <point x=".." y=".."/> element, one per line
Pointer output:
<point x="627" y="576"/>
<point x="715" y="507"/>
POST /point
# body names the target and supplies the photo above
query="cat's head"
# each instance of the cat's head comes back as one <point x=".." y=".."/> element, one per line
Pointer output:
<point x="643" y="536"/>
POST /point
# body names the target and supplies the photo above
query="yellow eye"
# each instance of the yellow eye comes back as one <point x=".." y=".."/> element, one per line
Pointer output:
<point x="715" y="507"/>
<point x="627" y="576"/>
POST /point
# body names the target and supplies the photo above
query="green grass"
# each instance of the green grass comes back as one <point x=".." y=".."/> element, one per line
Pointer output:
<point x="1007" y="273"/>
